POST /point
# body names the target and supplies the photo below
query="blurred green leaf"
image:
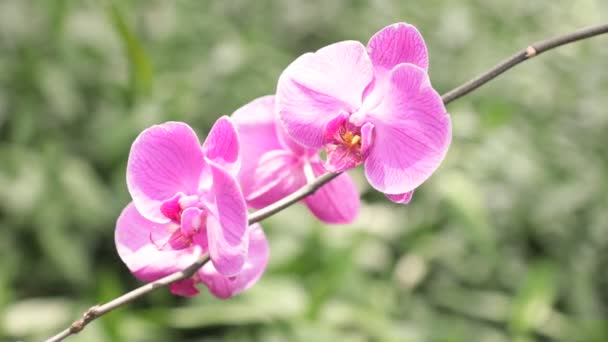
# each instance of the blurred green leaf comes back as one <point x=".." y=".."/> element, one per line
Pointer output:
<point x="534" y="301"/>
<point x="36" y="317"/>
<point x="466" y="199"/>
<point x="274" y="299"/>
<point x="140" y="69"/>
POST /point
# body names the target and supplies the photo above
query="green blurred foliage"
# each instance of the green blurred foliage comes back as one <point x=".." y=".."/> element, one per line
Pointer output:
<point x="508" y="241"/>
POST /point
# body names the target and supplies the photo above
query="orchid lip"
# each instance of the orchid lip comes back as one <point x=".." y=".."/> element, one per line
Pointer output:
<point x="187" y="214"/>
<point x="344" y="149"/>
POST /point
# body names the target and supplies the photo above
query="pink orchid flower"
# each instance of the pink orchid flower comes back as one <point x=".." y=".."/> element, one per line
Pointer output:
<point x="373" y="106"/>
<point x="186" y="202"/>
<point x="275" y="166"/>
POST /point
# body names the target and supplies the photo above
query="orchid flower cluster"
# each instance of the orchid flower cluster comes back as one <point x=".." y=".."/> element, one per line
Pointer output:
<point x="372" y="105"/>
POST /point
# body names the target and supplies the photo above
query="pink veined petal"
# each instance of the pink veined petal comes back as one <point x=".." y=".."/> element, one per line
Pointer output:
<point x="336" y="202"/>
<point x="389" y="47"/>
<point x="140" y="243"/>
<point x="289" y="144"/>
<point x="226" y="223"/>
<point x="258" y="130"/>
<point x="257" y="259"/>
<point x="395" y="44"/>
<point x="401" y="198"/>
<point x="317" y="86"/>
<point x="412" y="133"/>
<point x="278" y="174"/>
<point x="164" y="160"/>
<point x="256" y="124"/>
<point x="222" y="145"/>
<point x="184" y="288"/>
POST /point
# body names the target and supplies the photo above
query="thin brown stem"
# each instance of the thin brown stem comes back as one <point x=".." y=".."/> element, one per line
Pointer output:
<point x="531" y="51"/>
<point x="100" y="310"/>
<point x="287" y="201"/>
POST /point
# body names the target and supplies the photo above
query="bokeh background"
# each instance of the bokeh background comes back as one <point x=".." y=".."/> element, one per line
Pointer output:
<point x="507" y="241"/>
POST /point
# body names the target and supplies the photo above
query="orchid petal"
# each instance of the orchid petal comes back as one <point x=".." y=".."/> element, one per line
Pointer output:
<point x="289" y="144"/>
<point x="257" y="128"/>
<point x="336" y="202"/>
<point x="140" y="243"/>
<point x="226" y="223"/>
<point x="401" y="198"/>
<point x="257" y="259"/>
<point x="318" y="86"/>
<point x="412" y="133"/>
<point x="278" y="174"/>
<point x="222" y="145"/>
<point x="256" y="125"/>
<point x="184" y="288"/>
<point x="395" y="44"/>
<point x="164" y="160"/>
